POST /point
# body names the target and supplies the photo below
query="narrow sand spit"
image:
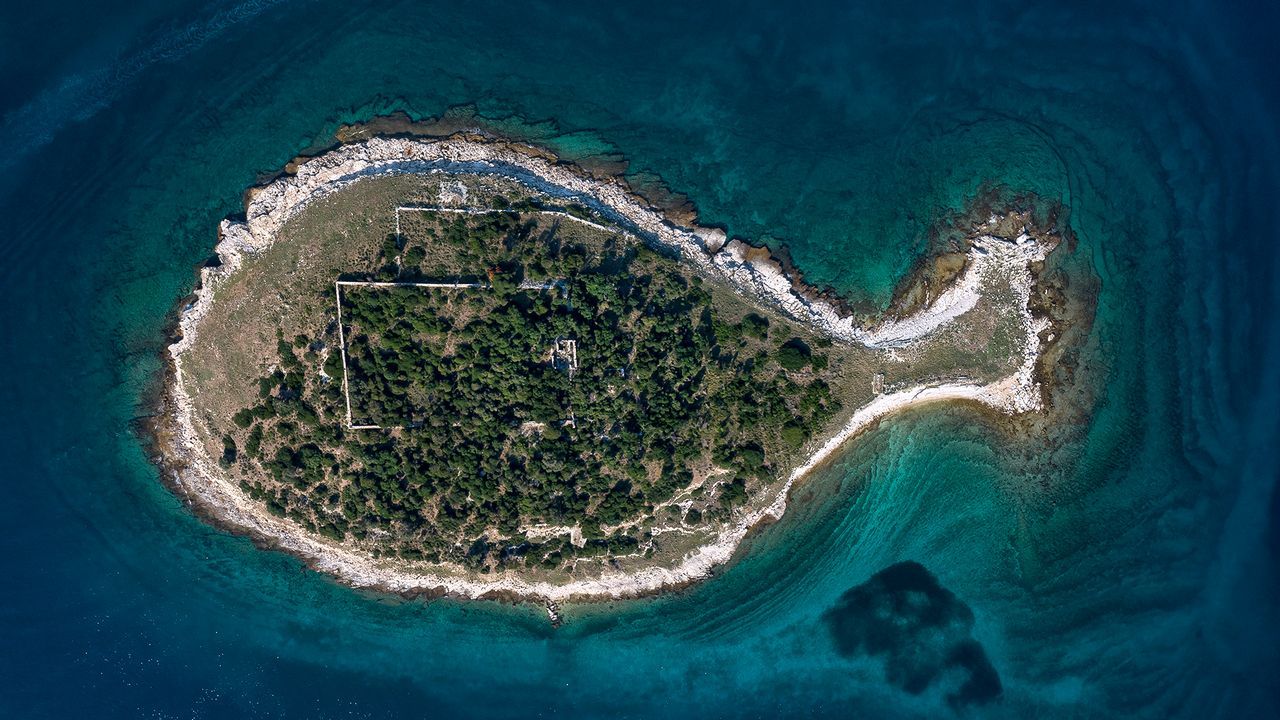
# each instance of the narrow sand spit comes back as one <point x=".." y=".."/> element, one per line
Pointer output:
<point x="271" y="206"/>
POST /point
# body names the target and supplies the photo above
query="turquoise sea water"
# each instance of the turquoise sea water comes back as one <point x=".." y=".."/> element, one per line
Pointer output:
<point x="1131" y="571"/>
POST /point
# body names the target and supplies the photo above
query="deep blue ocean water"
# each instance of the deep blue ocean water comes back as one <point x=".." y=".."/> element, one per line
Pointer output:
<point x="1131" y="572"/>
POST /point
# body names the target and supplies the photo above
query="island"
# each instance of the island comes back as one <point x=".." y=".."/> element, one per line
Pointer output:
<point x="459" y="365"/>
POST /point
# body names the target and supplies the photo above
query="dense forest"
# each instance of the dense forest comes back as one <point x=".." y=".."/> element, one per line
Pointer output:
<point x="490" y="423"/>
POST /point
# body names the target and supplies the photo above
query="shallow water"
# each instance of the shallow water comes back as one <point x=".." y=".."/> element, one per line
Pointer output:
<point x="1131" y="571"/>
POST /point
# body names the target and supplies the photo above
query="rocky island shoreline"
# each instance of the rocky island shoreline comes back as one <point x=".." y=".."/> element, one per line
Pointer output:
<point x="1006" y="245"/>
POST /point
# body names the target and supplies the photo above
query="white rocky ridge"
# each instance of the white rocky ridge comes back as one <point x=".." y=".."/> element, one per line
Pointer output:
<point x="271" y="206"/>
